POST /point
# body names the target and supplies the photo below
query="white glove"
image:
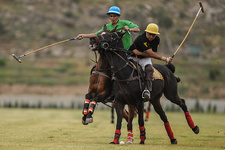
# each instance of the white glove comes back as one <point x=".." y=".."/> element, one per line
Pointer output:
<point x="166" y="59"/>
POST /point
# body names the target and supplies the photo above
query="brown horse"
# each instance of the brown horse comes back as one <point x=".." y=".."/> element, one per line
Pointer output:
<point x="100" y="87"/>
<point x="128" y="86"/>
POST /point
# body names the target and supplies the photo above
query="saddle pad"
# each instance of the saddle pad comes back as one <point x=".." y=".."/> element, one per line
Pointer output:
<point x="157" y="74"/>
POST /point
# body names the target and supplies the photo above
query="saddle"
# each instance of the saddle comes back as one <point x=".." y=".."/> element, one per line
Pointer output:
<point x="156" y="73"/>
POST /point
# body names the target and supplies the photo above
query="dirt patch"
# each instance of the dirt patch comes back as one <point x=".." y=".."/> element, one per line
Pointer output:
<point x="22" y="89"/>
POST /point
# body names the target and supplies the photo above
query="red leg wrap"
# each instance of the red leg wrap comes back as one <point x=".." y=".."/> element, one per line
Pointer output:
<point x="142" y="133"/>
<point x="189" y="120"/>
<point x="142" y="128"/>
<point x="117" y="136"/>
<point x="147" y="114"/>
<point x="169" y="130"/>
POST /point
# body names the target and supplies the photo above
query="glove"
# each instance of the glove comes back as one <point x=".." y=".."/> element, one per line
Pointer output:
<point x="79" y="37"/>
<point x="167" y="59"/>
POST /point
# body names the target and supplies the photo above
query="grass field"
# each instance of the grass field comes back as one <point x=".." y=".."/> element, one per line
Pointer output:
<point x="62" y="129"/>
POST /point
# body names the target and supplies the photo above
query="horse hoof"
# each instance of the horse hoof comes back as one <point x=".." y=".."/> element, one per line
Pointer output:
<point x="113" y="143"/>
<point x="89" y="120"/>
<point x="142" y="142"/>
<point x="173" y="141"/>
<point x="146" y="119"/>
<point x="196" y="129"/>
<point x="84" y="122"/>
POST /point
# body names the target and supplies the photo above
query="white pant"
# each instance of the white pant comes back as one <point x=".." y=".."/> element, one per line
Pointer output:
<point x="143" y="62"/>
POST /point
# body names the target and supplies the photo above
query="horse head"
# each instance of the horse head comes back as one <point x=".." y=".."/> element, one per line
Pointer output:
<point x="107" y="41"/>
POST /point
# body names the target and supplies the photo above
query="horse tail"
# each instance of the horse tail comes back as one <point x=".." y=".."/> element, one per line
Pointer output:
<point x="178" y="79"/>
<point x="172" y="69"/>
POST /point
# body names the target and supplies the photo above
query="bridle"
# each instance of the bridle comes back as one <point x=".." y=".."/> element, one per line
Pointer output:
<point x="108" y="43"/>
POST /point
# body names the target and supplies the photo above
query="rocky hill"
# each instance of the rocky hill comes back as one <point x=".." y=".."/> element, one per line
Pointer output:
<point x="27" y="25"/>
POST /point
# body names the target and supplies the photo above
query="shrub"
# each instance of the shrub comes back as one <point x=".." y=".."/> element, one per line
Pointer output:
<point x="68" y="13"/>
<point x="213" y="74"/>
<point x="2" y="62"/>
<point x="2" y="28"/>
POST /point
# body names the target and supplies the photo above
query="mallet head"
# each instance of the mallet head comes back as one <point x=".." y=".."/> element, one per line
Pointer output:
<point x="200" y="3"/>
<point x="17" y="58"/>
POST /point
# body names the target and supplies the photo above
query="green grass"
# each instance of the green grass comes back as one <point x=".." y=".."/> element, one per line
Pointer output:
<point x="62" y="129"/>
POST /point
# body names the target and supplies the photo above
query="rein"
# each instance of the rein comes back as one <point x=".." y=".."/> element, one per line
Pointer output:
<point x="101" y="72"/>
<point x="127" y="63"/>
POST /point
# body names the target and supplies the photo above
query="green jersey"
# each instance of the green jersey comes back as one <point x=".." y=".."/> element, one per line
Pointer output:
<point x="120" y="24"/>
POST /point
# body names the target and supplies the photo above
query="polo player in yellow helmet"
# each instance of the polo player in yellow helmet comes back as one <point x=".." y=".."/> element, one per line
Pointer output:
<point x="145" y="47"/>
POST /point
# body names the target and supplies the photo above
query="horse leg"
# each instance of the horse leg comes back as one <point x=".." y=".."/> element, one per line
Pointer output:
<point x="119" y="112"/>
<point x="112" y="115"/>
<point x="85" y="108"/>
<point x="181" y="102"/>
<point x="130" y="136"/>
<point x="158" y="108"/>
<point x="112" y="112"/>
<point x="171" y="94"/>
<point x="190" y="122"/>
<point x="126" y="114"/>
<point x="140" y="109"/>
<point x="148" y="111"/>
<point x="91" y="109"/>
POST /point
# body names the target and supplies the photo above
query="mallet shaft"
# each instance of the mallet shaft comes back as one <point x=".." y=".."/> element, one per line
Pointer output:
<point x="201" y="8"/>
<point x="44" y="48"/>
<point x="18" y="58"/>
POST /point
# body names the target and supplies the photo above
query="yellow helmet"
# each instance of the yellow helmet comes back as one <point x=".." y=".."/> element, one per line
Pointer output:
<point x="152" y="28"/>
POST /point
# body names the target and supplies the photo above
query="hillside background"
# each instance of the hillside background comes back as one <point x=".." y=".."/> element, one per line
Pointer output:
<point x="26" y="25"/>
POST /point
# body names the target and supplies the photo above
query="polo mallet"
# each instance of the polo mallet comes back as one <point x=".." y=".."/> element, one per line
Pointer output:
<point x="19" y="60"/>
<point x="200" y="9"/>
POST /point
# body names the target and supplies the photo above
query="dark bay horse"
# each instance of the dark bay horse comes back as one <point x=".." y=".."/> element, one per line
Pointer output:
<point x="100" y="87"/>
<point x="127" y="86"/>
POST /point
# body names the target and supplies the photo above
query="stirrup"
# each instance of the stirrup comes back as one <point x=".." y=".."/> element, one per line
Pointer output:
<point x="146" y="94"/>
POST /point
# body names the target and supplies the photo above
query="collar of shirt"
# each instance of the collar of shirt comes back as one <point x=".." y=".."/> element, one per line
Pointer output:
<point x="118" y="23"/>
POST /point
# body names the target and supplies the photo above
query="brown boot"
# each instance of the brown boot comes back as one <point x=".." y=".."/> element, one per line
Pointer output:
<point x="148" y="78"/>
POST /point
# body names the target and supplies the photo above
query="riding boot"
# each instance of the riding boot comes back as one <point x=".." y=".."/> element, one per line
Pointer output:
<point x="148" y="78"/>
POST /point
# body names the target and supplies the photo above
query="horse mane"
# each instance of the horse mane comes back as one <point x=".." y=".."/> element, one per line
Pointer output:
<point x="107" y="31"/>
